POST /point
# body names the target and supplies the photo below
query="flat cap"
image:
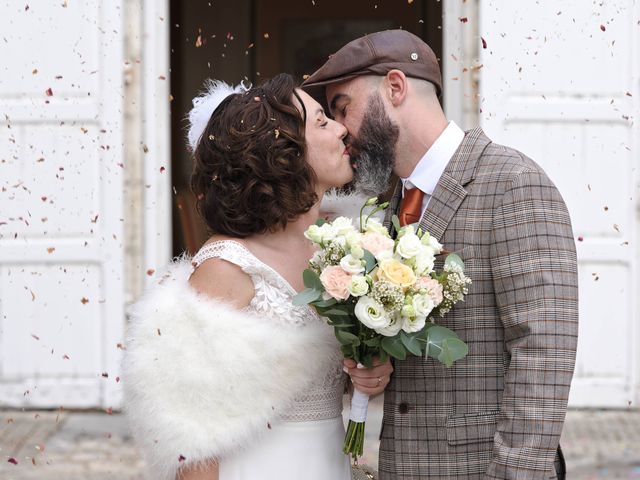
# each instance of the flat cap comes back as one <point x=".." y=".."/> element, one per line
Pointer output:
<point x="376" y="54"/>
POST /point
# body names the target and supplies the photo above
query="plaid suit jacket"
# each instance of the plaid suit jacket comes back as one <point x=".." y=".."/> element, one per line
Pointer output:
<point x="498" y="413"/>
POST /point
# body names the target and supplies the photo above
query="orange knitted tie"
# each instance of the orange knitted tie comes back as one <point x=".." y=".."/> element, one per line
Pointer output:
<point x="411" y="207"/>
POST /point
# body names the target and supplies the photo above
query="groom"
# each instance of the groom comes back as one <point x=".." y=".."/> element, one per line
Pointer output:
<point x="498" y="413"/>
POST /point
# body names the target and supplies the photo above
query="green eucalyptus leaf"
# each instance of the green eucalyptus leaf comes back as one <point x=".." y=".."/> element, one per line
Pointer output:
<point x="372" y="342"/>
<point x="306" y="296"/>
<point x="394" y="347"/>
<point x="454" y="259"/>
<point x="395" y="221"/>
<point x="371" y="261"/>
<point x="324" y="303"/>
<point x="444" y="345"/>
<point x="335" y="324"/>
<point x="347" y="338"/>
<point x="411" y="342"/>
<point x="320" y="221"/>
<point x="312" y="280"/>
<point x="452" y="349"/>
<point x="333" y="312"/>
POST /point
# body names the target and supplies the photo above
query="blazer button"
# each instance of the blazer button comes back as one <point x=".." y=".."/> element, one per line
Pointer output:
<point x="403" y="408"/>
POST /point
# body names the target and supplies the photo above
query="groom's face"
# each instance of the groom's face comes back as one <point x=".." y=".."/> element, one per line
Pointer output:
<point x="358" y="105"/>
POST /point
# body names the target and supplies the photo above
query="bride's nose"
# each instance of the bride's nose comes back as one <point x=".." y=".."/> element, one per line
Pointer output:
<point x="342" y="131"/>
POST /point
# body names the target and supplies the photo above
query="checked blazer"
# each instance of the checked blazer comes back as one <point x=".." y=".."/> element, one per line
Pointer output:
<point x="498" y="413"/>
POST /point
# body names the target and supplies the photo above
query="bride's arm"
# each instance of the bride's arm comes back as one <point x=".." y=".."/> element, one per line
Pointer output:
<point x="209" y="472"/>
<point x="224" y="281"/>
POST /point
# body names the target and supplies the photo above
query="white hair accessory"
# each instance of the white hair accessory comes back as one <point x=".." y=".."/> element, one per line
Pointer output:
<point x="205" y="104"/>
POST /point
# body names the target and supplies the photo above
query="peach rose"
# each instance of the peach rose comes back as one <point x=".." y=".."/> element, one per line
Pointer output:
<point x="336" y="282"/>
<point x="379" y="245"/>
<point x="432" y="286"/>
<point x="396" y="272"/>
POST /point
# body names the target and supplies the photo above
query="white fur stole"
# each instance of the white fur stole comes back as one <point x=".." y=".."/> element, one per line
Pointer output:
<point x="203" y="380"/>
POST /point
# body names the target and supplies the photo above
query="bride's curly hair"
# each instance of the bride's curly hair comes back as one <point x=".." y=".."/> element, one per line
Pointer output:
<point x="250" y="174"/>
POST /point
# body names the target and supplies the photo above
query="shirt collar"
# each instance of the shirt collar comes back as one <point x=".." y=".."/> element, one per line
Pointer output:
<point x="429" y="169"/>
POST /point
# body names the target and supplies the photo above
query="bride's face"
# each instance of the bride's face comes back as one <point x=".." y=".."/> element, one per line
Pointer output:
<point x="326" y="151"/>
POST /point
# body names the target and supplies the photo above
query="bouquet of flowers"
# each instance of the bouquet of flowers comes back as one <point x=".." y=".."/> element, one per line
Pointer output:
<point x="382" y="297"/>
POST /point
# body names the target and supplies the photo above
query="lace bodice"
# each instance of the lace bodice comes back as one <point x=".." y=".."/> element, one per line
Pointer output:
<point x="273" y="298"/>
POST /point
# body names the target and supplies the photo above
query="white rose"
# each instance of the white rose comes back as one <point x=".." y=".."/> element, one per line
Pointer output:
<point x="392" y="329"/>
<point x="357" y="251"/>
<point x="358" y="286"/>
<point x="409" y="246"/>
<point x="353" y="238"/>
<point x="416" y="324"/>
<point x="328" y="232"/>
<point x="371" y="313"/>
<point x="340" y="240"/>
<point x="424" y="262"/>
<point x="422" y="305"/>
<point x="431" y="242"/>
<point x="313" y="233"/>
<point x="343" y="225"/>
<point x="351" y="264"/>
<point x="374" y="225"/>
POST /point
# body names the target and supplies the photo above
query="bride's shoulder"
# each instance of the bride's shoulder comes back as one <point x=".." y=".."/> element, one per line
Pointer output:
<point x="223" y="280"/>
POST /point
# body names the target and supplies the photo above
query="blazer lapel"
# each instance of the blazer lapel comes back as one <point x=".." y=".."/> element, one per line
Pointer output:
<point x="450" y="192"/>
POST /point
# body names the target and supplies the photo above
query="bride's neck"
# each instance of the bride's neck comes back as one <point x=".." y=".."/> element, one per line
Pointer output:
<point x="294" y="231"/>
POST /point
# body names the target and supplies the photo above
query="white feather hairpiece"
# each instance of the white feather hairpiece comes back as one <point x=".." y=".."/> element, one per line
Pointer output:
<point x="205" y="104"/>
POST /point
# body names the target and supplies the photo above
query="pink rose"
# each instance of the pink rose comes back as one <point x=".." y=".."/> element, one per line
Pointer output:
<point x="336" y="282"/>
<point x="379" y="245"/>
<point x="432" y="286"/>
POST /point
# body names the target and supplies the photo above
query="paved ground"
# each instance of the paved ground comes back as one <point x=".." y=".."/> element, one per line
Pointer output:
<point x="65" y="445"/>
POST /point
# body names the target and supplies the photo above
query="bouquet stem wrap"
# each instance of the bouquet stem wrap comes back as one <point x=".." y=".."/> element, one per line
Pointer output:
<point x="354" y="438"/>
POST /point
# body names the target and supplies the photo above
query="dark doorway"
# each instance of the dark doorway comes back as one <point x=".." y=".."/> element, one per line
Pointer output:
<point x="256" y="39"/>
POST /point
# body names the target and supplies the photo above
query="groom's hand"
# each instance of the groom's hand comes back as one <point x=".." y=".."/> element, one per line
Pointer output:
<point x="371" y="381"/>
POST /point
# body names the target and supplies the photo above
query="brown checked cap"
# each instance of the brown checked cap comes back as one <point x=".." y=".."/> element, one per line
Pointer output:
<point x="376" y="54"/>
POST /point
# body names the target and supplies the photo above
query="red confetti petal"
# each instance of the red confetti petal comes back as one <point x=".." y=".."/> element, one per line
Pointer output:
<point x="162" y="169"/>
<point x="484" y="42"/>
<point x="105" y="374"/>
<point x="151" y="271"/>
<point x="13" y="460"/>
<point x="49" y="92"/>
<point x="463" y="19"/>
<point x="603" y="28"/>
<point x="182" y="458"/>
<point x="84" y="300"/>
<point x="580" y="238"/>
<point x="109" y="411"/>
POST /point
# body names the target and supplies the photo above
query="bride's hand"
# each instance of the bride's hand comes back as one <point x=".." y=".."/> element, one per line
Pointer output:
<point x="371" y="381"/>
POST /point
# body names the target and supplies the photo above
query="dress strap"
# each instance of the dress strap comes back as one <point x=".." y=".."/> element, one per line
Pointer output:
<point x="229" y="250"/>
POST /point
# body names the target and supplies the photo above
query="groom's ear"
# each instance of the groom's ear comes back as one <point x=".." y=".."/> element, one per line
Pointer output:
<point x="395" y="85"/>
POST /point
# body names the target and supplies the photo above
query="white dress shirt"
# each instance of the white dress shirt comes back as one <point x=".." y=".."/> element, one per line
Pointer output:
<point x="429" y="169"/>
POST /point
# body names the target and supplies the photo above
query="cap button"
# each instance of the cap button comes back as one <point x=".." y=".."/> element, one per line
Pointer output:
<point x="414" y="56"/>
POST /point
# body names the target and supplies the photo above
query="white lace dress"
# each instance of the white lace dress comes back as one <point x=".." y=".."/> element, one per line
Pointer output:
<point x="307" y="443"/>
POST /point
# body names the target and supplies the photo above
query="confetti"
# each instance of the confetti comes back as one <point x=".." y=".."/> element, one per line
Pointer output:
<point x="199" y="42"/>
<point x="266" y="35"/>
<point x="151" y="271"/>
<point x="109" y="411"/>
<point x="105" y="375"/>
<point x="35" y="336"/>
<point x="484" y="42"/>
<point x="616" y="227"/>
<point x="12" y="460"/>
<point x="277" y="132"/>
<point x="51" y="249"/>
<point x="49" y="92"/>
<point x="463" y="19"/>
<point x="162" y="169"/>
<point x="603" y="28"/>
<point x="159" y="332"/>
<point x="65" y="357"/>
<point x="95" y="219"/>
<point x="182" y="458"/>
<point x="84" y="300"/>
<point x="580" y="238"/>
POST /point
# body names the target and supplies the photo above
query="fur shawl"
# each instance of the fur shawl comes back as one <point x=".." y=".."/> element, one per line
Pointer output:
<point x="202" y="380"/>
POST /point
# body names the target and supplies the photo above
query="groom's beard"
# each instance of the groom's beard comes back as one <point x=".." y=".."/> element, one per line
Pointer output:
<point x="374" y="149"/>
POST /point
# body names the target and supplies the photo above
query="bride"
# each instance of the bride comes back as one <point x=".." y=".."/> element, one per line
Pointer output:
<point x="224" y="378"/>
